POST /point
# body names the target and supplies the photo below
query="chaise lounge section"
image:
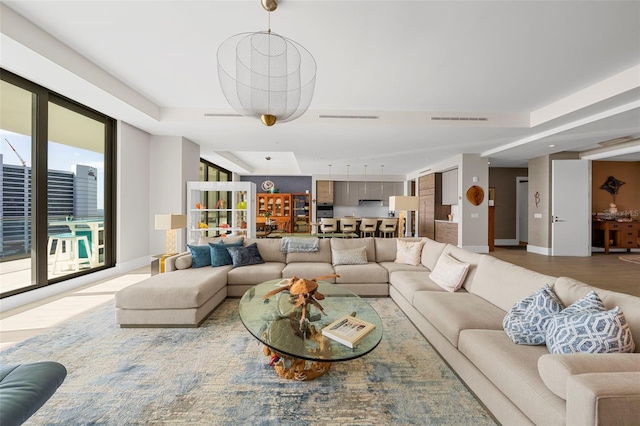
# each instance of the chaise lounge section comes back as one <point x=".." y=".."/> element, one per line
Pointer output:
<point x="520" y="384"/>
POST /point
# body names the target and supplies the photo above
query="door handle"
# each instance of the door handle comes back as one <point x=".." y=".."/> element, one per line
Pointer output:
<point x="555" y="219"/>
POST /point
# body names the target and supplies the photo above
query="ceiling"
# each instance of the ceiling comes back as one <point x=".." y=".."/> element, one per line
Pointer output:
<point x="419" y="74"/>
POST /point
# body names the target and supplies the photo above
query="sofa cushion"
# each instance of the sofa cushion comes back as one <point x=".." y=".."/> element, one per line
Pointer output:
<point x="322" y="255"/>
<point x="385" y="249"/>
<point x="200" y="256"/>
<point x="408" y="283"/>
<point x="255" y="274"/>
<point x="513" y="369"/>
<point x="556" y="369"/>
<point x="590" y="332"/>
<point x="394" y="267"/>
<point x="219" y="254"/>
<point x="370" y="273"/>
<point x="569" y="290"/>
<point x="245" y="256"/>
<point x="349" y="243"/>
<point x="449" y="273"/>
<point x="269" y="249"/>
<point x="184" y="289"/>
<point x="408" y="252"/>
<point x="526" y="322"/>
<point x="352" y="256"/>
<point x="503" y="283"/>
<point x="308" y="270"/>
<point x="451" y="313"/>
<point x="431" y="251"/>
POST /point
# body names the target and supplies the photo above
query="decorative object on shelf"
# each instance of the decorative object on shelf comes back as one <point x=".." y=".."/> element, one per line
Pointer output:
<point x="303" y="292"/>
<point x="403" y="204"/>
<point x="170" y="223"/>
<point x="612" y="186"/>
<point x="475" y="195"/>
<point x="265" y="75"/>
<point x="221" y="204"/>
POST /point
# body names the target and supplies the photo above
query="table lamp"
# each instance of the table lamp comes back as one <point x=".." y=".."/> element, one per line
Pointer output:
<point x="402" y="204"/>
<point x="170" y="222"/>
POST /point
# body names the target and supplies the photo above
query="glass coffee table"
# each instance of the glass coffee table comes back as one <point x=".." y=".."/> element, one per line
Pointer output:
<point x="302" y="352"/>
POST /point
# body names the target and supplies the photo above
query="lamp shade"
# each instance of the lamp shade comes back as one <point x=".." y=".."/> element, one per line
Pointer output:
<point x="404" y="203"/>
<point x="171" y="221"/>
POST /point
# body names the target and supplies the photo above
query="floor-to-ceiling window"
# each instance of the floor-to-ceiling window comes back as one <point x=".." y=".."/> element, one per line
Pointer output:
<point x="56" y="187"/>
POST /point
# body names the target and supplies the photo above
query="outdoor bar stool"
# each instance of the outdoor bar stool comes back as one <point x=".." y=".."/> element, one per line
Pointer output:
<point x="368" y="227"/>
<point x="388" y="227"/>
<point x="67" y="251"/>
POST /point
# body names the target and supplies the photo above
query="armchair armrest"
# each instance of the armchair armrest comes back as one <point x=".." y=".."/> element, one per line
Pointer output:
<point x="603" y="399"/>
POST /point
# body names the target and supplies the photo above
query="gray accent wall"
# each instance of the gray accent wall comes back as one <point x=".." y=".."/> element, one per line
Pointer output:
<point x="286" y="184"/>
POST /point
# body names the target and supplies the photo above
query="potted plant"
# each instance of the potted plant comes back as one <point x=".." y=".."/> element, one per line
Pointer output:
<point x="267" y="215"/>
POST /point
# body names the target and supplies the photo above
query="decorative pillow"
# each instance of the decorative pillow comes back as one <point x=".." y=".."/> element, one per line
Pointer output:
<point x="409" y="252"/>
<point x="526" y="323"/>
<point x="589" y="332"/>
<point x="244" y="256"/>
<point x="449" y="273"/>
<point x="203" y="241"/>
<point x="352" y="256"/>
<point x="183" y="262"/>
<point x="590" y="302"/>
<point x="200" y="256"/>
<point x="219" y="254"/>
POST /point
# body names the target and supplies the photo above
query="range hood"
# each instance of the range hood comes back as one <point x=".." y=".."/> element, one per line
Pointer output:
<point x="370" y="200"/>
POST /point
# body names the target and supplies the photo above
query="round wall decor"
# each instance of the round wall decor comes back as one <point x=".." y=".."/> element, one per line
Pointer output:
<point x="475" y="195"/>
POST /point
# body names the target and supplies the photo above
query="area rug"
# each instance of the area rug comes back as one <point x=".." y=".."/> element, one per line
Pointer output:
<point x="633" y="258"/>
<point x="218" y="375"/>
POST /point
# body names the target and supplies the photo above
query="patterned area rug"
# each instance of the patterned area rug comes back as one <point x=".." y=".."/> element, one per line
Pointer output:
<point x="218" y="375"/>
<point x="633" y="258"/>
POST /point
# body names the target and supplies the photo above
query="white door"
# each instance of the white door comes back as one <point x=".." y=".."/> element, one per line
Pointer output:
<point x="571" y="208"/>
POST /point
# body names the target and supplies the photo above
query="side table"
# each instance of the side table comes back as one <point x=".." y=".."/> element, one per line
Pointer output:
<point x="157" y="263"/>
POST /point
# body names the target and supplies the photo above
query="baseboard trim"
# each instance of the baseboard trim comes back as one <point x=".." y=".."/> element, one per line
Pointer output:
<point x="539" y="250"/>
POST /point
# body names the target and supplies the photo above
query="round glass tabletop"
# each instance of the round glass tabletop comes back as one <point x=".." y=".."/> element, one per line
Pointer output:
<point x="274" y="322"/>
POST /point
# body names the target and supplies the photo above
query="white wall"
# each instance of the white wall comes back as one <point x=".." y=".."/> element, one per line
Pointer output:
<point x="133" y="193"/>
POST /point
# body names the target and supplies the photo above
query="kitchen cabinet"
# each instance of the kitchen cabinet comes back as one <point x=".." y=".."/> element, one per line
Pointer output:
<point x="427" y="195"/>
<point x="324" y="192"/>
<point x="390" y="189"/>
<point x="346" y="194"/>
<point x="220" y="208"/>
<point x="450" y="187"/>
<point x="370" y="190"/>
<point x="446" y="232"/>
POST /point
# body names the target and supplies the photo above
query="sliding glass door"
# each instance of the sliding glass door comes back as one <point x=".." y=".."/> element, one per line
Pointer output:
<point x="57" y="186"/>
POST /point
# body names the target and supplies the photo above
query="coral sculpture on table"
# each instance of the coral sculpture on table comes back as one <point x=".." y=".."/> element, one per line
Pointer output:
<point x="304" y="292"/>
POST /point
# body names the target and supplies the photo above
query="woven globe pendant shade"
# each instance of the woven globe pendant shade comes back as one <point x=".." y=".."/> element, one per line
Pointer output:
<point x="266" y="76"/>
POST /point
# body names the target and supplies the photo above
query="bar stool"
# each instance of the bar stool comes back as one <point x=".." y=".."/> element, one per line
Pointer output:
<point x="67" y="251"/>
<point x="368" y="227"/>
<point x="328" y="225"/>
<point x="348" y="225"/>
<point x="388" y="227"/>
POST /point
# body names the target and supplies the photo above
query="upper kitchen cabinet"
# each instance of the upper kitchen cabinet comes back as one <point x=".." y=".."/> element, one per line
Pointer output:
<point x="391" y="189"/>
<point x="369" y="191"/>
<point x="325" y="192"/>
<point x="450" y="187"/>
<point x="346" y="194"/>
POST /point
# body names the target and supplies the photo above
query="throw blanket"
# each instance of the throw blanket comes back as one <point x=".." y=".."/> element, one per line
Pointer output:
<point x="298" y="244"/>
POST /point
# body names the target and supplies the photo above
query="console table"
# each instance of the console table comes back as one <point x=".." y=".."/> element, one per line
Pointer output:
<point x="613" y="234"/>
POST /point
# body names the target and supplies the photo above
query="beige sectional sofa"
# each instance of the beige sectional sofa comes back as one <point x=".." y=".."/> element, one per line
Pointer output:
<point x="519" y="384"/>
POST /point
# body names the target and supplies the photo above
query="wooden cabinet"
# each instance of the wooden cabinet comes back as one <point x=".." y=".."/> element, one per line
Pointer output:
<point x="300" y="216"/>
<point x="450" y="187"/>
<point x="220" y="208"/>
<point x="324" y="192"/>
<point x="612" y="234"/>
<point x="426" y="217"/>
<point x="446" y="232"/>
<point x="280" y="206"/>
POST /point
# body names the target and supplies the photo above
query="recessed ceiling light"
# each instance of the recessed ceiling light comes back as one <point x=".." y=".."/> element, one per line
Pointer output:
<point x="551" y="146"/>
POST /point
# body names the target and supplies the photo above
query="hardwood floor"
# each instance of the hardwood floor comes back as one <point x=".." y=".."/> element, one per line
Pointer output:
<point x="601" y="270"/>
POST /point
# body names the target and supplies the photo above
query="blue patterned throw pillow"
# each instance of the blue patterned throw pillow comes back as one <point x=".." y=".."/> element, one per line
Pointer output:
<point x="244" y="256"/>
<point x="219" y="253"/>
<point x="590" y="332"/>
<point x="200" y="256"/>
<point x="526" y="323"/>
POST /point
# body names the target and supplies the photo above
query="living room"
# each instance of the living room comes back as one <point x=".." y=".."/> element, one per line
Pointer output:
<point x="576" y="89"/>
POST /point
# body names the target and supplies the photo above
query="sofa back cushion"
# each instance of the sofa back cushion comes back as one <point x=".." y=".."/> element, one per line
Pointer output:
<point x="431" y="251"/>
<point x="350" y="243"/>
<point x="269" y="249"/>
<point x="385" y="249"/>
<point x="322" y="255"/>
<point x="505" y="284"/>
<point x="569" y="290"/>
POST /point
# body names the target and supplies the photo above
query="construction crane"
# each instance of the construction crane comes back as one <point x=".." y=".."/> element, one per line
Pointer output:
<point x="24" y="163"/>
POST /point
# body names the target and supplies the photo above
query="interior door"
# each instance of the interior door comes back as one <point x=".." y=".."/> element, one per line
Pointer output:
<point x="571" y="208"/>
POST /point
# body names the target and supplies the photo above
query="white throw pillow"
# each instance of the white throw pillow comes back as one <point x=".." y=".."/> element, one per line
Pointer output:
<point x="409" y="252"/>
<point x="449" y="273"/>
<point x="354" y="256"/>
